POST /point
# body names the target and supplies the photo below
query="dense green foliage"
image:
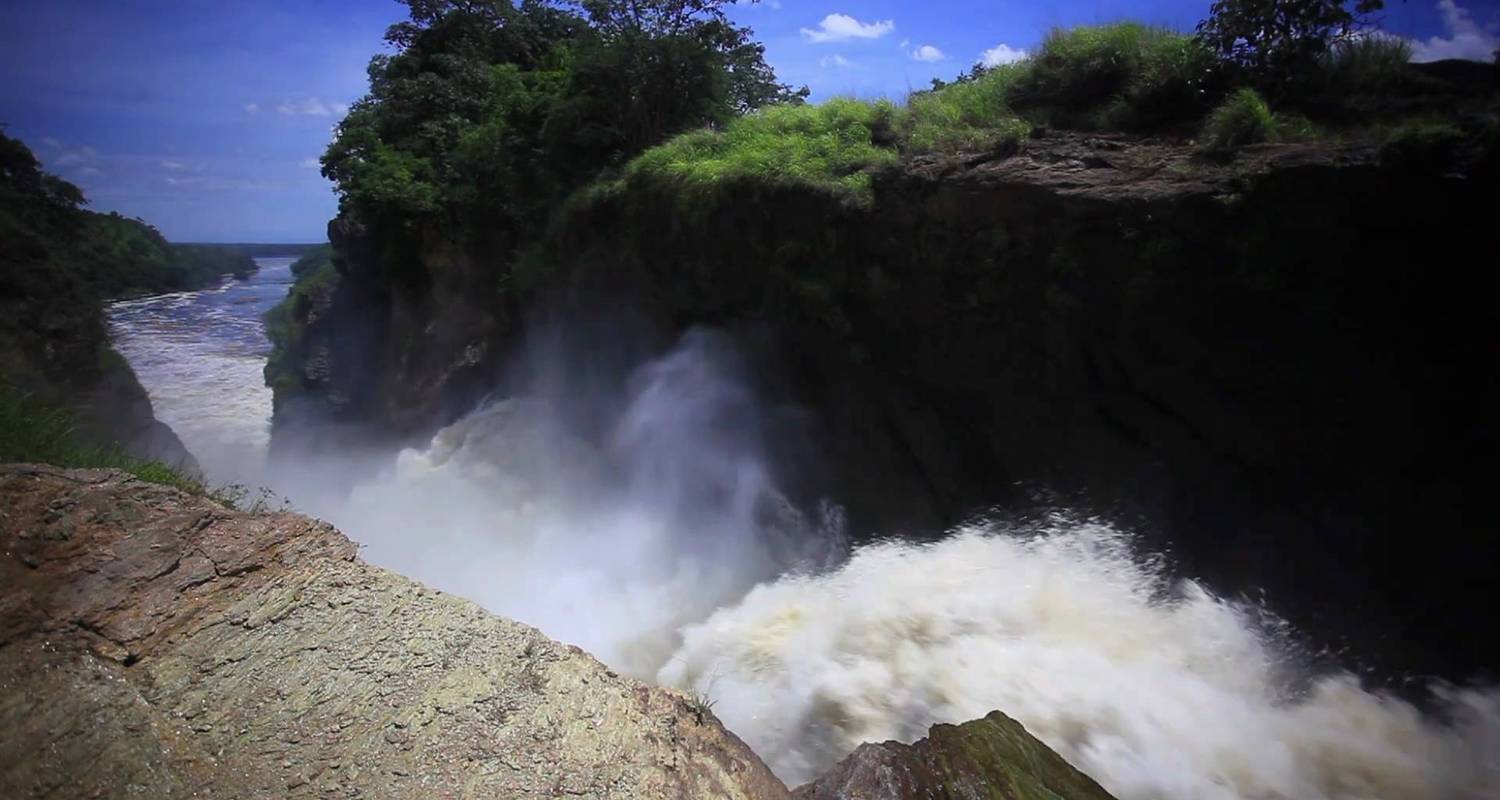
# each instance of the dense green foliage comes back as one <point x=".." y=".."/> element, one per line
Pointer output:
<point x="44" y="229"/>
<point x="488" y="115"/>
<point x="32" y="433"/>
<point x="489" y="112"/>
<point x="202" y="264"/>
<point x="318" y="257"/>
<point x="1278" y="42"/>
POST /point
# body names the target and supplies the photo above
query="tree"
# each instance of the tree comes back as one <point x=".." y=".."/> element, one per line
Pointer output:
<point x="489" y="111"/>
<point x="1276" y="41"/>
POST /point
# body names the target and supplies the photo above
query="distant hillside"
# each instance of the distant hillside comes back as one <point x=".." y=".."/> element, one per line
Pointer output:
<point x="58" y="264"/>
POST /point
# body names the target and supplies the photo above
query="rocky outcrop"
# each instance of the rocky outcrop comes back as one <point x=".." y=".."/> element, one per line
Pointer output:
<point x="153" y="643"/>
<point x="993" y="758"/>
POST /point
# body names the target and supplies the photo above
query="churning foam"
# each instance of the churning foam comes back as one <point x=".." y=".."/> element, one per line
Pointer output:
<point x="1157" y="691"/>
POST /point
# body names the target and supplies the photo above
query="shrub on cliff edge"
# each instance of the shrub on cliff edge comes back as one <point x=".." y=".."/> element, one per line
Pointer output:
<point x="1243" y="118"/>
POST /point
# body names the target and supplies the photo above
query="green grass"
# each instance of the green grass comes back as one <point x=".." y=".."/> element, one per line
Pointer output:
<point x="1242" y="119"/>
<point x="1425" y="142"/>
<point x="830" y="146"/>
<point x="1369" y="65"/>
<point x="970" y="115"/>
<point x="32" y="433"/>
<point x="1125" y="75"/>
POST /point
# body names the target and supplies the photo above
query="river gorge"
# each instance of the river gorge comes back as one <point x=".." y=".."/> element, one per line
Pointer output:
<point x="640" y="405"/>
<point x="629" y="509"/>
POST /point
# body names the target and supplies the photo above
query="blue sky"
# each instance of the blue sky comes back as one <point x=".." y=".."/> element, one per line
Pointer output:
<point x="206" y="118"/>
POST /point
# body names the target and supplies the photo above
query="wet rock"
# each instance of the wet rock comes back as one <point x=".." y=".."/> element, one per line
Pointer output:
<point x="200" y="652"/>
<point x="992" y="758"/>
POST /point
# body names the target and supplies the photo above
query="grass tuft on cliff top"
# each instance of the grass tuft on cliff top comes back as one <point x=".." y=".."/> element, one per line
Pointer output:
<point x="1089" y="77"/>
<point x="30" y="433"/>
<point x="1242" y="119"/>
<point x="1122" y="76"/>
<point x="972" y="114"/>
<point x="832" y="146"/>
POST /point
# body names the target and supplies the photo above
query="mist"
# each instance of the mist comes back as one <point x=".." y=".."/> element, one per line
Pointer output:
<point x="608" y="503"/>
<point x="634" y="499"/>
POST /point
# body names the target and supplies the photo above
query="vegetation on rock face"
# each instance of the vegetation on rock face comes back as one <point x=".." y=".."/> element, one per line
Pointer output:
<point x="1123" y="77"/>
<point x="992" y="757"/>
<point x="490" y="114"/>
<point x="286" y="322"/>
<point x="33" y="433"/>
<point x="493" y="130"/>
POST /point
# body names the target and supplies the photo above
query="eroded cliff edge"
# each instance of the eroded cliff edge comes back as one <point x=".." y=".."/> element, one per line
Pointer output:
<point x="155" y="644"/>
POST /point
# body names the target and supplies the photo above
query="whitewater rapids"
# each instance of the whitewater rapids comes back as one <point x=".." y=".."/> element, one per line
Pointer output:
<point x="655" y="537"/>
<point x="1156" y="691"/>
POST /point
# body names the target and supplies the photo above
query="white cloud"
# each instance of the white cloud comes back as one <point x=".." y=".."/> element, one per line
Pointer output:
<point x="309" y="163"/>
<point x="1001" y="54"/>
<point x="1465" y="38"/>
<point x="90" y="172"/>
<point x="311" y="107"/>
<point x="52" y="143"/>
<point x="834" y="61"/>
<point x="842" y="28"/>
<point x="928" y="53"/>
<point x="173" y="165"/>
<point x="78" y="159"/>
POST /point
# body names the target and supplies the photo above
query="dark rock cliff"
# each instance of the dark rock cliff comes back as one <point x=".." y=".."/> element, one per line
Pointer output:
<point x="1274" y="366"/>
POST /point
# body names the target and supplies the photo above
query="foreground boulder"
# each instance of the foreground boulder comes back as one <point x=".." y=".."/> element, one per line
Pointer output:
<point x="992" y="757"/>
<point x="154" y="644"/>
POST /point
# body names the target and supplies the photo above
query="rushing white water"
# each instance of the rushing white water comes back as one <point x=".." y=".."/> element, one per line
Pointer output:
<point x="200" y="356"/>
<point x="655" y="537"/>
<point x="1155" y="694"/>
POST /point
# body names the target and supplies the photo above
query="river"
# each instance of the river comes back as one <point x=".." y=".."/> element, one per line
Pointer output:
<point x="662" y="546"/>
<point x="200" y="356"/>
